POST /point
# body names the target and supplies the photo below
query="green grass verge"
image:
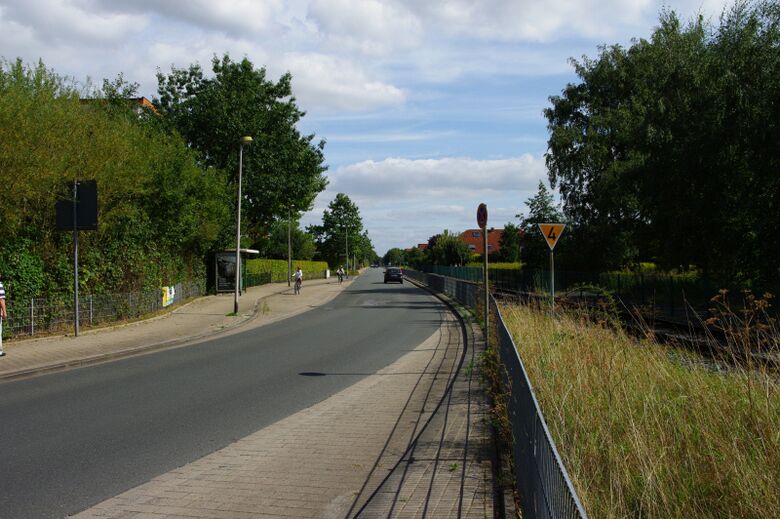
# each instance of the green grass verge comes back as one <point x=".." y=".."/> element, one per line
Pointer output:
<point x="648" y="431"/>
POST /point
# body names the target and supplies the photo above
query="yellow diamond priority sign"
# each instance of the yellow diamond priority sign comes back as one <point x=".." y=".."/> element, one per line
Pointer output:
<point x="551" y="232"/>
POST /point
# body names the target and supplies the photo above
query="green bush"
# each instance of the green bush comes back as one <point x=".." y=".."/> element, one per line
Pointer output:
<point x="497" y="266"/>
<point x="278" y="268"/>
<point x="160" y="213"/>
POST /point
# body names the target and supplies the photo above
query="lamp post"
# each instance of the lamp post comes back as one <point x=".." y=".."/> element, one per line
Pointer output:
<point x="244" y="140"/>
<point x="289" y="245"/>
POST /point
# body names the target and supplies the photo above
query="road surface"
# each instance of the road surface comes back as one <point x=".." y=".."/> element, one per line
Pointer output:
<point x="72" y="439"/>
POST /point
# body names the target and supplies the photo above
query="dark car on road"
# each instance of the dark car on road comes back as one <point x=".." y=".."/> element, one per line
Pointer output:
<point x="394" y="274"/>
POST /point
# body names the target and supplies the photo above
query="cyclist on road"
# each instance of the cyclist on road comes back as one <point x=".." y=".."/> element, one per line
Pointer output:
<point x="298" y="280"/>
<point x="340" y="274"/>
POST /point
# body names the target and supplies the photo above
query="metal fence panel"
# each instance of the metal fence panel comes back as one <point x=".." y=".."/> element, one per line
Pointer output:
<point x="543" y="484"/>
<point x="668" y="295"/>
<point x="39" y="315"/>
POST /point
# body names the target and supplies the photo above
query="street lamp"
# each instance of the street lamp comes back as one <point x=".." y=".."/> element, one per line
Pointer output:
<point x="346" y="247"/>
<point x="246" y="139"/>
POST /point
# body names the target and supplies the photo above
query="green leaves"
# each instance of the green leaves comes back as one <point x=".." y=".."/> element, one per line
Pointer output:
<point x="159" y="212"/>
<point x="282" y="169"/>
<point x="668" y="151"/>
<point x="342" y="227"/>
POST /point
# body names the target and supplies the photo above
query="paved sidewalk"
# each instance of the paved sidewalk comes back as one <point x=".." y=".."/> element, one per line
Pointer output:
<point x="196" y="320"/>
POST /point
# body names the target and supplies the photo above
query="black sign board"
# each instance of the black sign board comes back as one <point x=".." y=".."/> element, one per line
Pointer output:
<point x="226" y="271"/>
<point x="86" y="208"/>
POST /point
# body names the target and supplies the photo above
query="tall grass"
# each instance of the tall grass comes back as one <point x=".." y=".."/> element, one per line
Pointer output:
<point x="650" y="431"/>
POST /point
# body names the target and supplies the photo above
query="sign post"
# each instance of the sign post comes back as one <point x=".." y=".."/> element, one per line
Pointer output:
<point x="482" y="217"/>
<point x="552" y="232"/>
<point x="78" y="214"/>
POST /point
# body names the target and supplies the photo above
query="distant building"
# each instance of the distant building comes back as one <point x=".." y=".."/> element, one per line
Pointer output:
<point x="142" y="102"/>
<point x="422" y="246"/>
<point x="473" y="238"/>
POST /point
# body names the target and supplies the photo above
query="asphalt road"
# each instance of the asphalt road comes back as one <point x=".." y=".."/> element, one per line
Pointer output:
<point x="70" y="440"/>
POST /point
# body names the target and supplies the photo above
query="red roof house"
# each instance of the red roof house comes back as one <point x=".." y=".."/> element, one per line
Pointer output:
<point x="473" y="238"/>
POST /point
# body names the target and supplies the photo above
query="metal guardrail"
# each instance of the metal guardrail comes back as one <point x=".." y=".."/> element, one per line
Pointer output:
<point x="543" y="484"/>
<point x="36" y="316"/>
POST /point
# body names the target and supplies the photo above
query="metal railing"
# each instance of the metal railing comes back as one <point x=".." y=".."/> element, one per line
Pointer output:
<point x="672" y="296"/>
<point x="39" y="316"/>
<point x="543" y="484"/>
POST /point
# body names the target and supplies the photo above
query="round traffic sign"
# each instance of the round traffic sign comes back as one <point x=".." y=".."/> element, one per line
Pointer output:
<point x="482" y="216"/>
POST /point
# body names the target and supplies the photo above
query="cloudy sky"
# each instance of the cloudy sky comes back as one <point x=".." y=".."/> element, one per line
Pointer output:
<point x="428" y="107"/>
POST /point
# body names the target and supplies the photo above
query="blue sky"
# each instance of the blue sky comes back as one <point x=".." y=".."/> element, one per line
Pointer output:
<point x="428" y="107"/>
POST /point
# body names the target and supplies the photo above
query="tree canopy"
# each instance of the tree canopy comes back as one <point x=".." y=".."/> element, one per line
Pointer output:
<point x="541" y="209"/>
<point x="447" y="249"/>
<point x="342" y="226"/>
<point x="669" y="151"/>
<point x="283" y="170"/>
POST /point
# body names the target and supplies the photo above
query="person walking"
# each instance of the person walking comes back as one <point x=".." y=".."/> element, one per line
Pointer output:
<point x="298" y="280"/>
<point x="3" y="314"/>
<point x="340" y="274"/>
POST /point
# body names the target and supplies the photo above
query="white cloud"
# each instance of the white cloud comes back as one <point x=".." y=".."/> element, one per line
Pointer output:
<point x="368" y="26"/>
<point x="326" y="83"/>
<point x="395" y="178"/>
<point x="529" y="20"/>
<point x="244" y="16"/>
<point x="70" y="21"/>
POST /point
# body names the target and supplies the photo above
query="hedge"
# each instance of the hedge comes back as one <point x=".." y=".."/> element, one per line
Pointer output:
<point x="278" y="268"/>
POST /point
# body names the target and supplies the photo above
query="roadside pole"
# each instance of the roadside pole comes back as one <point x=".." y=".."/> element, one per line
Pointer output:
<point x="75" y="260"/>
<point x="77" y="213"/>
<point x="482" y="217"/>
<point x="551" y="233"/>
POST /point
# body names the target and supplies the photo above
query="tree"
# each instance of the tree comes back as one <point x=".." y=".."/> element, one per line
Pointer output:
<point x="510" y="243"/>
<point x="415" y="257"/>
<point x="448" y="249"/>
<point x="394" y="256"/>
<point x="541" y="209"/>
<point x="668" y="151"/>
<point x="283" y="169"/>
<point x="341" y="227"/>
<point x="275" y="246"/>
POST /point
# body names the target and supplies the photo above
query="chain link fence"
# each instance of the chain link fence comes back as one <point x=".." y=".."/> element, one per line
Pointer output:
<point x="42" y="316"/>
<point x="543" y="484"/>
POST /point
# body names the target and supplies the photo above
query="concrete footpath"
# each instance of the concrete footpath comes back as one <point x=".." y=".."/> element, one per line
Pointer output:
<point x="411" y="440"/>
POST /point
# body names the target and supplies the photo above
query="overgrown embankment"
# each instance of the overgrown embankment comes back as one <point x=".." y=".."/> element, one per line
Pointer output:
<point x="649" y="431"/>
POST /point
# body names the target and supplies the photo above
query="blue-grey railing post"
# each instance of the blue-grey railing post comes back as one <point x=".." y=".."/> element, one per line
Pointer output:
<point x="32" y="316"/>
